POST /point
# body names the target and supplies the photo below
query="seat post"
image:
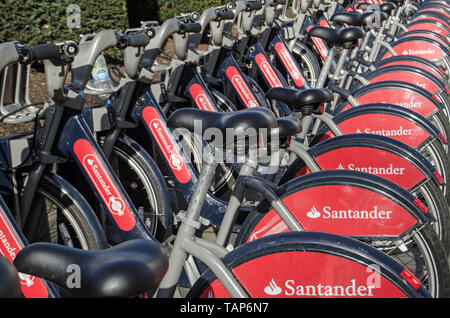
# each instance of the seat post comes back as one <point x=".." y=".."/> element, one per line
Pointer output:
<point x="339" y="67"/>
<point x="190" y="224"/>
<point x="326" y="68"/>
<point x="235" y="201"/>
<point x="201" y="188"/>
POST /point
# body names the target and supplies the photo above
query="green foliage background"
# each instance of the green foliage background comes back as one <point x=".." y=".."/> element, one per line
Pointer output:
<point x="34" y="22"/>
<point x="171" y="8"/>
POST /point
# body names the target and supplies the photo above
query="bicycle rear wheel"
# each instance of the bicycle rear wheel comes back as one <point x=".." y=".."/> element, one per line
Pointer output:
<point x="310" y="264"/>
<point x="318" y="200"/>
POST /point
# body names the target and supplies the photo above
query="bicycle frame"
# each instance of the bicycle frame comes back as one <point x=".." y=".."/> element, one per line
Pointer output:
<point x="12" y="241"/>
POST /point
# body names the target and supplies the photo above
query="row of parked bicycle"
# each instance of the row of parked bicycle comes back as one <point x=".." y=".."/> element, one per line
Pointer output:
<point x="301" y="153"/>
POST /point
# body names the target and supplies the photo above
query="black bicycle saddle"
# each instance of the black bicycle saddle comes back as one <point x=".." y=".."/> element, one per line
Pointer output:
<point x="303" y="101"/>
<point x="288" y="126"/>
<point x="257" y="118"/>
<point x="125" y="270"/>
<point x="337" y="36"/>
<point x="9" y="280"/>
<point x="386" y="7"/>
<point x="365" y="19"/>
<point x="237" y="131"/>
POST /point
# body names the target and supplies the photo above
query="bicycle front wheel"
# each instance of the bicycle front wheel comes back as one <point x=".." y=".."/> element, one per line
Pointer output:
<point x="62" y="216"/>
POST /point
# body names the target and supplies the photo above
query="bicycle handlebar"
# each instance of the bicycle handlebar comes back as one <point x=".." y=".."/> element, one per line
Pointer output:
<point x="11" y="52"/>
<point x="44" y="51"/>
<point x="253" y="6"/>
<point x="135" y="40"/>
<point x="29" y="54"/>
<point x="224" y="15"/>
<point x="189" y="28"/>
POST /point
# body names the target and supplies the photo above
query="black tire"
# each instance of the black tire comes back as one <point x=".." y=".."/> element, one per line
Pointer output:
<point x="436" y="155"/>
<point x="431" y="195"/>
<point x="442" y="123"/>
<point x="145" y="185"/>
<point x="56" y="218"/>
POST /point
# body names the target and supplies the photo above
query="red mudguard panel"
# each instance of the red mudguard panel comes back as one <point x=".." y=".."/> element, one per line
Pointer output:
<point x="419" y="48"/>
<point x="412" y="63"/>
<point x="413" y="78"/>
<point x="430" y="36"/>
<point x="386" y="125"/>
<point x="429" y="26"/>
<point x="332" y="277"/>
<point x="400" y="97"/>
<point x="339" y="209"/>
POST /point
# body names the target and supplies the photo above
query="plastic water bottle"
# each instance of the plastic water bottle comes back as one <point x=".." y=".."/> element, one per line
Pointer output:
<point x="100" y="77"/>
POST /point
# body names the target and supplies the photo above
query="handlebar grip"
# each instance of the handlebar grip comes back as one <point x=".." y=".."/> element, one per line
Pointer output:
<point x="226" y="15"/>
<point x="138" y="40"/>
<point x="253" y="6"/>
<point x="45" y="51"/>
<point x="191" y="27"/>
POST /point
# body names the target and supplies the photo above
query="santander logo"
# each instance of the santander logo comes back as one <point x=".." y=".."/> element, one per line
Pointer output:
<point x="114" y="202"/>
<point x="427" y="51"/>
<point x="329" y="213"/>
<point x="291" y="288"/>
<point x="203" y="102"/>
<point x="313" y="214"/>
<point x="241" y="87"/>
<point x="410" y="104"/>
<point x="104" y="184"/>
<point x="200" y="97"/>
<point x="290" y="64"/>
<point x="175" y="160"/>
<point x="9" y="247"/>
<point x="382" y="171"/>
<point x="166" y="144"/>
<point x="26" y="279"/>
<point x="272" y="289"/>
<point x="267" y="70"/>
<point x="388" y="132"/>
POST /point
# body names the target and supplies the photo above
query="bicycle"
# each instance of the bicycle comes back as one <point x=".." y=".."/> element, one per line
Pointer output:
<point x="176" y="89"/>
<point x="148" y="107"/>
<point x="284" y="246"/>
<point x="139" y="265"/>
<point x="46" y="206"/>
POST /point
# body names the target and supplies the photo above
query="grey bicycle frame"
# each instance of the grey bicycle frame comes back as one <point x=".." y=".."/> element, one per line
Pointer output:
<point x="210" y="253"/>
